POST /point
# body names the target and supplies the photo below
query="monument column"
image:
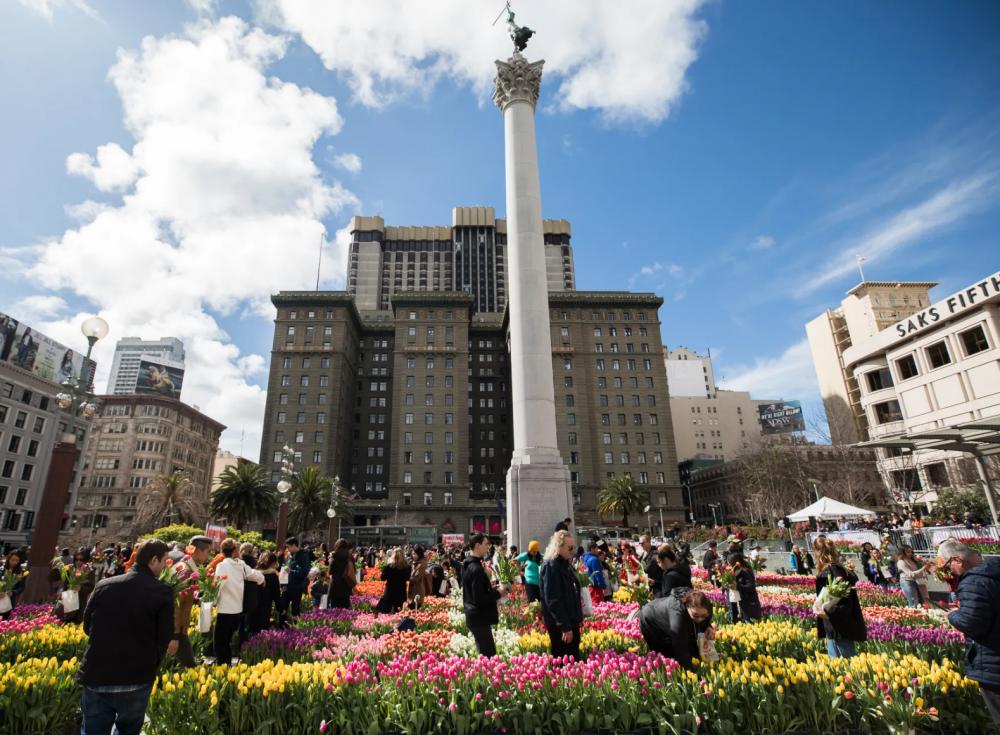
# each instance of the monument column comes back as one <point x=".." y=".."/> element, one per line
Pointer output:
<point x="538" y="482"/>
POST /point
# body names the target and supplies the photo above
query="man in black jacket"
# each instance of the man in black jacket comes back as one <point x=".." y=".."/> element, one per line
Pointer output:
<point x="479" y="597"/>
<point x="561" y="607"/>
<point x="130" y="621"/>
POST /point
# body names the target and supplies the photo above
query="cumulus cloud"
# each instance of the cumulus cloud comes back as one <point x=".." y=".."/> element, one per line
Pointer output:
<point x="627" y="61"/>
<point x="35" y="309"/>
<point x="763" y="242"/>
<point x="348" y="161"/>
<point x="790" y="375"/>
<point x="222" y="206"/>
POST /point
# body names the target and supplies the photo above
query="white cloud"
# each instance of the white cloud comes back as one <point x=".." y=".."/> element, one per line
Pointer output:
<point x="944" y="208"/>
<point x="85" y="211"/>
<point x="35" y="309"/>
<point x="763" y="242"/>
<point x="790" y="376"/>
<point x="114" y="169"/>
<point x="223" y="206"/>
<point x="47" y="8"/>
<point x="656" y="271"/>
<point x="629" y="62"/>
<point x="348" y="161"/>
<point x="202" y="7"/>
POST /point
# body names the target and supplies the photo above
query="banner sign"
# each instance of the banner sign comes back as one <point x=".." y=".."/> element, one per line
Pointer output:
<point x="781" y="418"/>
<point x="29" y="349"/>
<point x="159" y="377"/>
<point x="453" y="539"/>
<point x="216" y="533"/>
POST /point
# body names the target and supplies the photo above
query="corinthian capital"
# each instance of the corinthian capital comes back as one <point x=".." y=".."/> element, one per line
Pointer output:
<point x="518" y="80"/>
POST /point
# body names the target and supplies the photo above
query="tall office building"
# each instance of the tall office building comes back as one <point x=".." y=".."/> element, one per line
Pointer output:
<point x="410" y="406"/>
<point x="709" y="423"/>
<point x="131" y="350"/>
<point x="470" y="257"/>
<point x="869" y="307"/>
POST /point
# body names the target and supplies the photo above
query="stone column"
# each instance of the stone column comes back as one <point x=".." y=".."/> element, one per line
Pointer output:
<point x="538" y="483"/>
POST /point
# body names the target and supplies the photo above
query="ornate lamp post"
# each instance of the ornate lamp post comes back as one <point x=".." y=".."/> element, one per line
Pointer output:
<point x="284" y="485"/>
<point x="331" y="513"/>
<point x="76" y="400"/>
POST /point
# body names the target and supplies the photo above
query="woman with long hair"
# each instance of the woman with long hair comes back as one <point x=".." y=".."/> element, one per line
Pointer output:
<point x="343" y="575"/>
<point x="420" y="577"/>
<point x="842" y="624"/>
<point x="269" y="594"/>
<point x="746" y="584"/>
<point x="396" y="575"/>
<point x="562" y="610"/>
<point x="912" y="576"/>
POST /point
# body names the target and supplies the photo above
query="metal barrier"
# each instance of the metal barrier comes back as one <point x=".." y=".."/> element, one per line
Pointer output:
<point x="923" y="540"/>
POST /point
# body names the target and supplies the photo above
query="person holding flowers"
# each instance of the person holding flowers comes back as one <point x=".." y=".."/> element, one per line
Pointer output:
<point x="343" y="575"/>
<point x="197" y="553"/>
<point x="978" y="616"/>
<point x="130" y="621"/>
<point x="236" y="573"/>
<point x="748" y="601"/>
<point x="420" y="577"/>
<point x="839" y="620"/>
<point x="595" y="571"/>
<point x="676" y="574"/>
<point x="562" y="611"/>
<point x="479" y="596"/>
<point x="270" y="594"/>
<point x="12" y="580"/>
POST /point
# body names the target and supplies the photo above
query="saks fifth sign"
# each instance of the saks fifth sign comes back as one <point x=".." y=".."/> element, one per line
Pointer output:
<point x="955" y="304"/>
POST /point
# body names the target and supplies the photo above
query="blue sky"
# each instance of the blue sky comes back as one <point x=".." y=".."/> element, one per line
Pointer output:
<point x="730" y="156"/>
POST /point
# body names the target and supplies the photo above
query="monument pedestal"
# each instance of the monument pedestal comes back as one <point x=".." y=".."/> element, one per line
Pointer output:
<point x="539" y="495"/>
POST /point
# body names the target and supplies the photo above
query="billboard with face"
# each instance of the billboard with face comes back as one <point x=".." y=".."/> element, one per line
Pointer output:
<point x="159" y="377"/>
<point x="781" y="418"/>
<point x="27" y="348"/>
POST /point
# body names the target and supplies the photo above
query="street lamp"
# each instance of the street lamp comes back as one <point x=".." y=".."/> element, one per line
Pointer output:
<point x="77" y="400"/>
<point x="331" y="513"/>
<point x="815" y="484"/>
<point x="715" y="519"/>
<point x="649" y="520"/>
<point x="284" y="485"/>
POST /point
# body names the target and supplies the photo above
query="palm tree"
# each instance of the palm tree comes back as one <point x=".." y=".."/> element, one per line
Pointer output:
<point x="620" y="496"/>
<point x="171" y="498"/>
<point x="310" y="497"/>
<point x="244" y="495"/>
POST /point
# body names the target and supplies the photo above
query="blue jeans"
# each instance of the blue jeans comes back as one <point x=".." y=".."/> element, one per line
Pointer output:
<point x="839" y="648"/>
<point x="104" y="710"/>
<point x="912" y="592"/>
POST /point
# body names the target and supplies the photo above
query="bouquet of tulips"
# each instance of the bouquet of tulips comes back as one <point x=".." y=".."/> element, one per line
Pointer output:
<point x="180" y="578"/>
<point x="834" y="591"/>
<point x="75" y="575"/>
<point x="209" y="585"/>
<point x="726" y="575"/>
<point x="505" y="571"/>
<point x="758" y="564"/>
<point x="9" y="580"/>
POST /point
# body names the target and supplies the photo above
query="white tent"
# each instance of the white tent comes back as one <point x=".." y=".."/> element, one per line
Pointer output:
<point x="828" y="508"/>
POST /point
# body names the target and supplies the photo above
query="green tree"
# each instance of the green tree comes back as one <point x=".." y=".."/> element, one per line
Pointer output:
<point x="244" y="495"/>
<point x="959" y="500"/>
<point x="310" y="497"/>
<point x="621" y="496"/>
<point x="171" y="498"/>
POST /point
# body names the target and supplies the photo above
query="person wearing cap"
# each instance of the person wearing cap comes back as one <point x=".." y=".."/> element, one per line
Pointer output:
<point x="530" y="561"/>
<point x="199" y="548"/>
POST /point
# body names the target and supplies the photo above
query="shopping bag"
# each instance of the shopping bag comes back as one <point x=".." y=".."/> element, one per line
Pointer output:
<point x="586" y="603"/>
<point x="5" y="603"/>
<point x="283" y="577"/>
<point x="322" y="601"/>
<point x="70" y="600"/>
<point x="205" y="617"/>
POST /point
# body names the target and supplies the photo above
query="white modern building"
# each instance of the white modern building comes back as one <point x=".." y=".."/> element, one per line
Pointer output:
<point x="131" y="350"/>
<point x="931" y="371"/>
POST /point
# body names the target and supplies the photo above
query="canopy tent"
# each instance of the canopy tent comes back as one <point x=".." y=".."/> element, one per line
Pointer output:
<point x="828" y="508"/>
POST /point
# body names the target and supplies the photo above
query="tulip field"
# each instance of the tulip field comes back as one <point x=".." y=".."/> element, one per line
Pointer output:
<point x="348" y="671"/>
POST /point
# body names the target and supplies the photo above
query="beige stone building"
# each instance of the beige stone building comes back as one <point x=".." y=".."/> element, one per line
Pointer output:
<point x="709" y="423"/>
<point x="410" y="406"/>
<point x="869" y="307"/>
<point x="224" y="460"/>
<point x="470" y="257"/>
<point x="134" y="439"/>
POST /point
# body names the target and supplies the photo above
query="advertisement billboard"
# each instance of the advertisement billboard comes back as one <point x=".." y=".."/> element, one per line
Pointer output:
<point x="25" y="347"/>
<point x="781" y="418"/>
<point x="159" y="377"/>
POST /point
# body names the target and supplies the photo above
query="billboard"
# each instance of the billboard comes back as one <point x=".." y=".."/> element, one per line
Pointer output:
<point x="29" y="349"/>
<point x="159" y="377"/>
<point x="781" y="418"/>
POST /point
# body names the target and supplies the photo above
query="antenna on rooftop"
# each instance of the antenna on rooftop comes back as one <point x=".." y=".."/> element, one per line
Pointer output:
<point x="861" y="259"/>
<point x="319" y="265"/>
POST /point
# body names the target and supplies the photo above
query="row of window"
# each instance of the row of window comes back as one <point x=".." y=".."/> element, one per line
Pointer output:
<point x="972" y="341"/>
<point x="19" y="497"/>
<point x="609" y="316"/>
<point x="21" y="420"/>
<point x="286" y="380"/>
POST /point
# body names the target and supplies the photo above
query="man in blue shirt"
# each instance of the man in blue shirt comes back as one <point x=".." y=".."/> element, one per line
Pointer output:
<point x="595" y="571"/>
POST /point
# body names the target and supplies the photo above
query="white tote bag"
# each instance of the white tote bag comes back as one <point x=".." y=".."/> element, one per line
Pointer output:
<point x="585" y="602"/>
<point x="323" y="599"/>
<point x="283" y="577"/>
<point x="205" y="617"/>
<point x="5" y="603"/>
<point x="70" y="601"/>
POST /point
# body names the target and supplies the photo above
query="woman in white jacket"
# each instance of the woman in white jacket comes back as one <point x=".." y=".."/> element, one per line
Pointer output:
<point x="912" y="577"/>
<point x="230" y="604"/>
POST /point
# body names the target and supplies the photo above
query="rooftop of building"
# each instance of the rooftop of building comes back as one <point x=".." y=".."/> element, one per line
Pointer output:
<point x="136" y="399"/>
<point x="478" y="216"/>
<point x="864" y="286"/>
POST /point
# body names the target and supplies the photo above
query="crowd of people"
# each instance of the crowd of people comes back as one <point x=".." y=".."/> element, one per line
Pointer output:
<point x="134" y="621"/>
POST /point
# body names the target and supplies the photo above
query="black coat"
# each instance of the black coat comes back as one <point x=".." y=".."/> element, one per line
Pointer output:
<point x="479" y="597"/>
<point x="668" y="629"/>
<point x="978" y="616"/>
<point x="560" y="591"/>
<point x="677" y="577"/>
<point x="844" y="621"/>
<point x="394" y="597"/>
<point x="130" y="621"/>
<point x="267" y="597"/>
<point x="655" y="573"/>
<point x="746" y="585"/>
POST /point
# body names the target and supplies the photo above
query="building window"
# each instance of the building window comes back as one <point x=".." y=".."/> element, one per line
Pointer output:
<point x="974" y="340"/>
<point x="448" y="498"/>
<point x="887" y="411"/>
<point x="879" y="380"/>
<point x="407" y="480"/>
<point x="428" y="498"/>
<point x="907" y="367"/>
<point x="937" y="354"/>
<point x="571" y="438"/>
